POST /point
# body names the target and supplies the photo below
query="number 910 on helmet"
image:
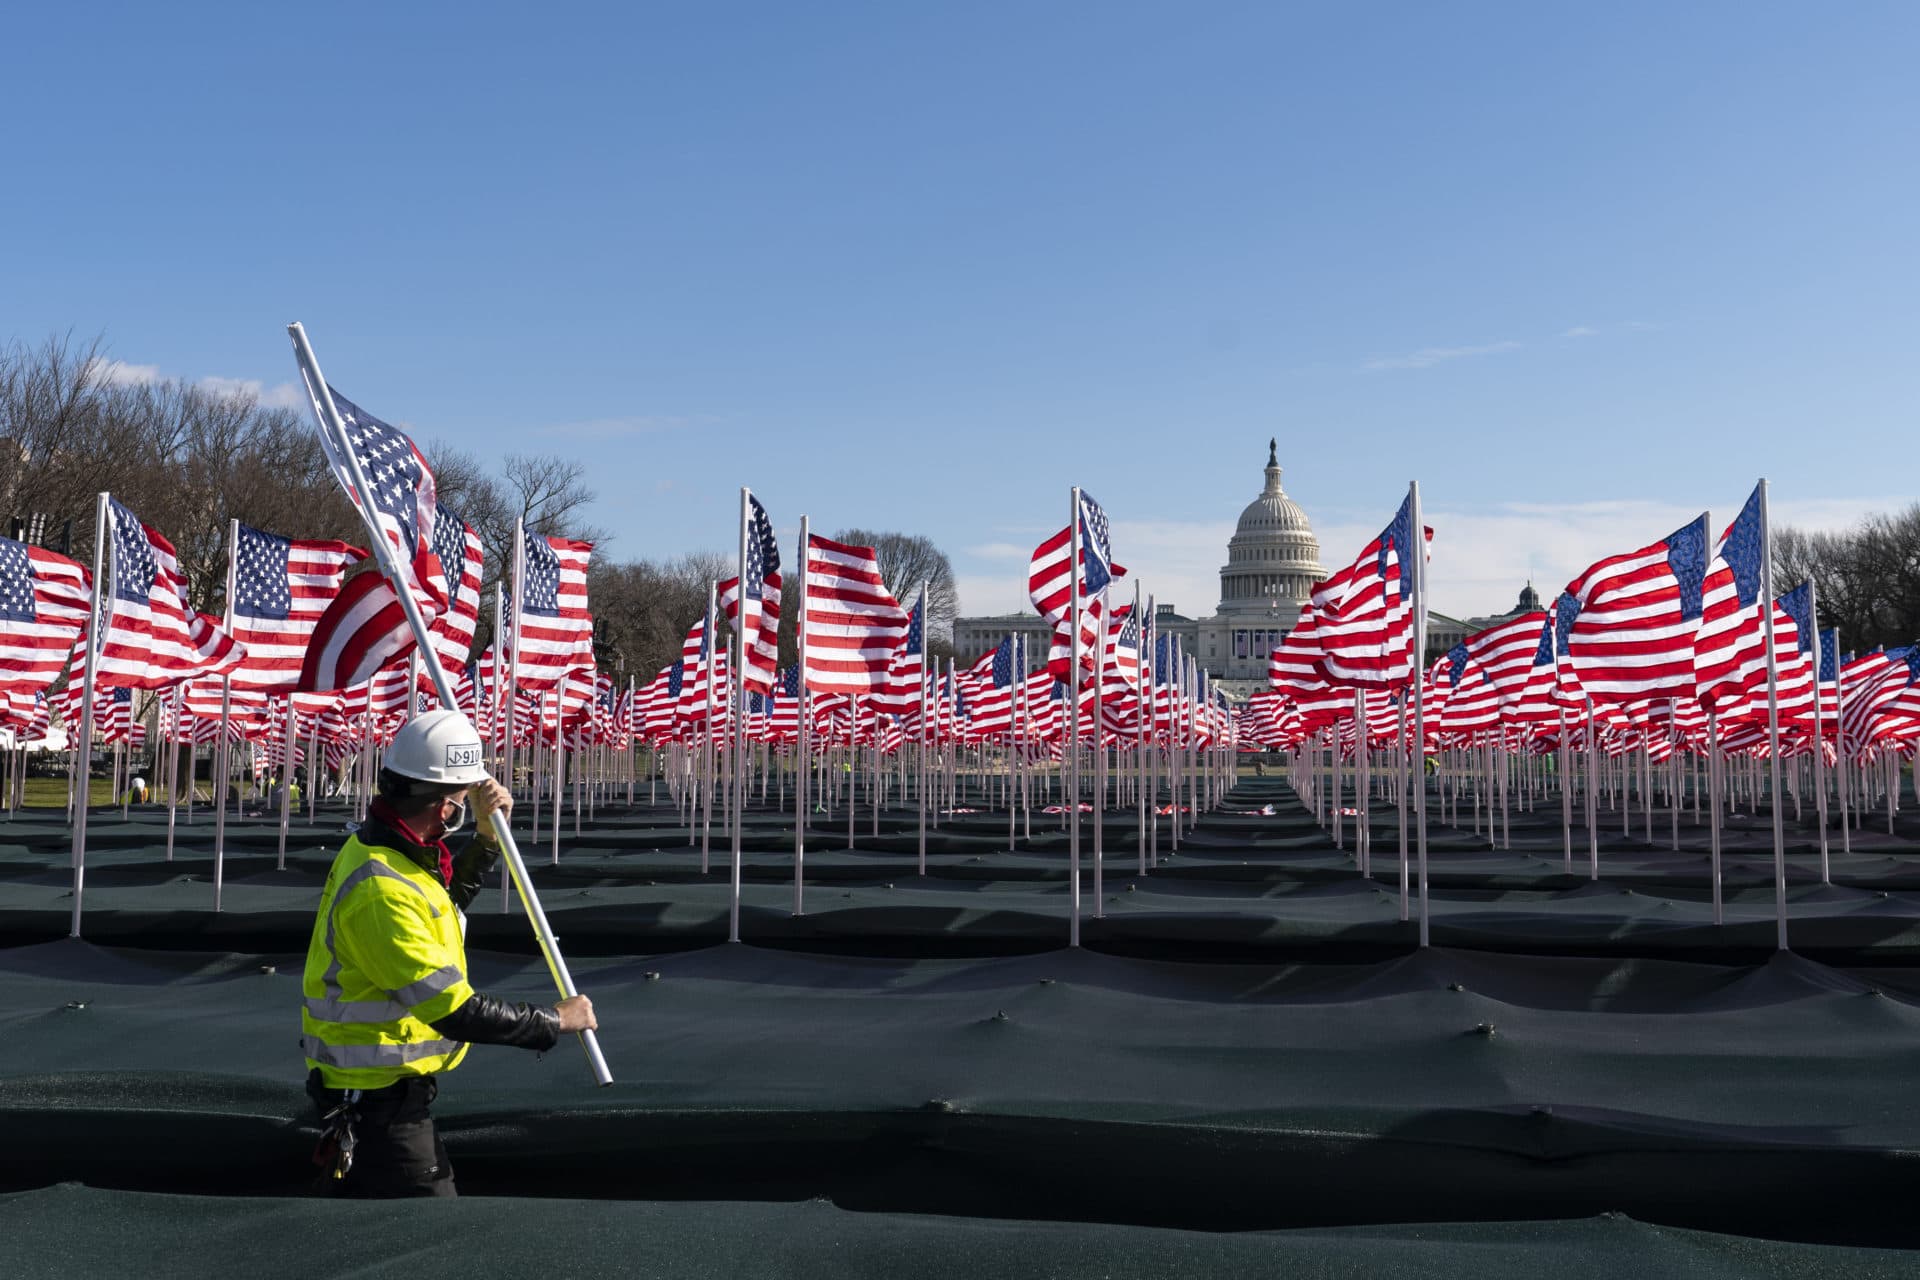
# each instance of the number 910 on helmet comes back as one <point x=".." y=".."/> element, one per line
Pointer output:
<point x="440" y="747"/>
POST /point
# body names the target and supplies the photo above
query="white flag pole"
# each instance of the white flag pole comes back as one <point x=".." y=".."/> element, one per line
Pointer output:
<point x="336" y="431"/>
<point x="97" y="622"/>
<point x="221" y="751"/>
<point x="1819" y="731"/>
<point x="1419" y="552"/>
<point x="737" y="698"/>
<point x="1072" y="798"/>
<point x="803" y="757"/>
<point x="920" y="679"/>
<point x="1773" y="723"/>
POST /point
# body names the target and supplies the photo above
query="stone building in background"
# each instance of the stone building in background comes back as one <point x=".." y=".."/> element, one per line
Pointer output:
<point x="1273" y="560"/>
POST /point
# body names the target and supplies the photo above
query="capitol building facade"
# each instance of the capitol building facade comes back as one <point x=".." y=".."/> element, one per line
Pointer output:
<point x="1273" y="560"/>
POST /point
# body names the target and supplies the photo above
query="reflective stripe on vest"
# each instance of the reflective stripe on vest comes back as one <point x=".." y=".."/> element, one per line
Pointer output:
<point x="350" y="1056"/>
<point x="330" y="1007"/>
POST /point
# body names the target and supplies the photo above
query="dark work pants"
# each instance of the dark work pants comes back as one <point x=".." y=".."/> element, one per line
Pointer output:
<point x="396" y="1152"/>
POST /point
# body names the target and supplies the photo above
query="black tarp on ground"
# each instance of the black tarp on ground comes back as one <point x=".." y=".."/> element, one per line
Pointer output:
<point x="1771" y="1100"/>
<point x="1244" y="886"/>
<point x="1570" y="1048"/>
<point x="62" y="1232"/>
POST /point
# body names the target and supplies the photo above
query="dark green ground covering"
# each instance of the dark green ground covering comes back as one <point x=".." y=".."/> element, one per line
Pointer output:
<point x="68" y="1231"/>
<point x="1248" y="1044"/>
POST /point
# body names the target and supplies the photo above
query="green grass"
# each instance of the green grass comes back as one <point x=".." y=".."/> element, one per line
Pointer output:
<point x="51" y="793"/>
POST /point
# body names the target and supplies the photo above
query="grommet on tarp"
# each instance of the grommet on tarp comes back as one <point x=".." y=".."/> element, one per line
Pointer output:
<point x="1454" y="986"/>
<point x="999" y="1015"/>
<point x="1486" y="1029"/>
<point x="76" y="1004"/>
<point x="938" y="1104"/>
<point x="653" y="975"/>
<point x="268" y="969"/>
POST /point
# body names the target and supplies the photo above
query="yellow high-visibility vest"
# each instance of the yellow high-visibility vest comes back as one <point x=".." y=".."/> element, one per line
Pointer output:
<point x="386" y="959"/>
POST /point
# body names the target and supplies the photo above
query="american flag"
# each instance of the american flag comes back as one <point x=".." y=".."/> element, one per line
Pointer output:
<point x="1049" y="575"/>
<point x="28" y="715"/>
<point x="1875" y="685"/>
<point x="783" y="715"/>
<point x="1123" y="654"/>
<point x="1005" y="670"/>
<point x="365" y="627"/>
<point x="762" y="625"/>
<point x="457" y="547"/>
<point x="1830" y="679"/>
<point x="151" y="638"/>
<point x="1505" y="655"/>
<point x="699" y="663"/>
<point x="853" y="622"/>
<point x="113" y="714"/>
<point x="281" y="586"/>
<point x="402" y="491"/>
<point x="43" y="610"/>
<point x="1297" y="665"/>
<point x="1636" y="617"/>
<point x="901" y="694"/>
<point x="1730" y="647"/>
<point x="1364" y="612"/>
<point x="555" y="628"/>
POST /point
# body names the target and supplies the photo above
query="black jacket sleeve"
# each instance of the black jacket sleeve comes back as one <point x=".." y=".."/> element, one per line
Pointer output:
<point x="471" y="867"/>
<point x="485" y="1019"/>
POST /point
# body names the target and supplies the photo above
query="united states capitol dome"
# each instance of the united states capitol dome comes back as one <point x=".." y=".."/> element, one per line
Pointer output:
<point x="1273" y="555"/>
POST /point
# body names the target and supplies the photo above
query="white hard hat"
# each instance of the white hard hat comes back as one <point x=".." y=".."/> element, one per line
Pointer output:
<point x="139" y="782"/>
<point x="439" y="746"/>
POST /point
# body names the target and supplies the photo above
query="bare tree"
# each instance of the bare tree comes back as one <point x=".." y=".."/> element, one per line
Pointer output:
<point x="1867" y="578"/>
<point x="907" y="561"/>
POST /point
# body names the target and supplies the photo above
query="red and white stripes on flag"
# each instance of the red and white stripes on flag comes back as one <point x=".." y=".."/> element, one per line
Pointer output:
<point x="762" y="629"/>
<point x="553" y="629"/>
<point x="281" y="588"/>
<point x="853" y="622"/>
<point x="458" y="549"/>
<point x="362" y="630"/>
<point x="1632" y="637"/>
<point x="151" y="638"/>
<point x="43" y="610"/>
<point x="1364" y="612"/>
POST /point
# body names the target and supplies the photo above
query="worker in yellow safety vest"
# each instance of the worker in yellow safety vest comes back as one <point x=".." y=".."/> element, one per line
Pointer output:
<point x="387" y="1003"/>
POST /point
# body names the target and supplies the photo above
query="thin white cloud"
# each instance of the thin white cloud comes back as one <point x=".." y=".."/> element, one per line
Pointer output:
<point x="119" y="373"/>
<point x="281" y="395"/>
<point x="1581" y="331"/>
<point x="1427" y="357"/>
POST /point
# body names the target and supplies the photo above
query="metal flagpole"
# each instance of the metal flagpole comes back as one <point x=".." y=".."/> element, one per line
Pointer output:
<point x="1072" y="798"/>
<point x="1099" y="766"/>
<point x="559" y="762"/>
<point x="336" y="431"/>
<point x="221" y="751"/>
<point x="84" y="752"/>
<point x="803" y="754"/>
<point x="1143" y="720"/>
<point x="709" y="746"/>
<point x="1773" y="722"/>
<point x="506" y="672"/>
<point x="1840" y="745"/>
<point x="921" y="680"/>
<point x="1407" y="775"/>
<point x="1419" y="551"/>
<point x="286" y="784"/>
<point x="1819" y="731"/>
<point x="173" y="765"/>
<point x="737" y="693"/>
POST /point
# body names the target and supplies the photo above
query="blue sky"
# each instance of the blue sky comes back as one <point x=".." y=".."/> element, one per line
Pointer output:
<point x="1582" y="271"/>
